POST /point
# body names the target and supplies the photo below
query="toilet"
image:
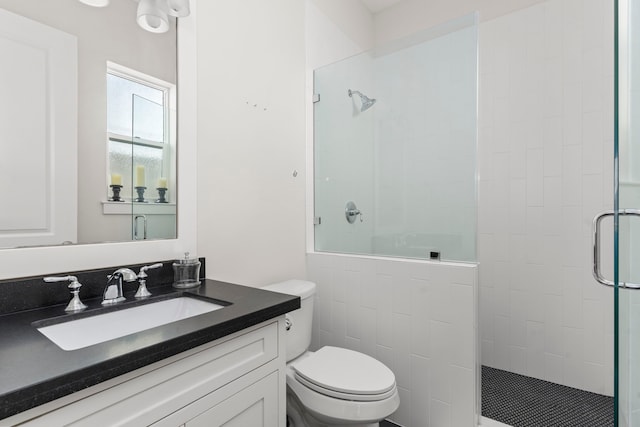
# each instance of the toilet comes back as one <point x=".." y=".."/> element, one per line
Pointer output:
<point x="332" y="386"/>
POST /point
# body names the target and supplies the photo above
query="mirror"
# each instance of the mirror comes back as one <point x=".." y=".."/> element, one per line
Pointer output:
<point x="58" y="150"/>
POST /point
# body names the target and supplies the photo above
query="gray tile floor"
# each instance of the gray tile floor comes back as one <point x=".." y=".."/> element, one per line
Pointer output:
<point x="528" y="402"/>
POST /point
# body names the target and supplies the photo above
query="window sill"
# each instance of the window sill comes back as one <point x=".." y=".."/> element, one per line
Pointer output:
<point x="128" y="208"/>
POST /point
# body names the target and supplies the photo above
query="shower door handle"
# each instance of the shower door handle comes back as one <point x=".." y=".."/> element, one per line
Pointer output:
<point x="135" y="227"/>
<point x="596" y="247"/>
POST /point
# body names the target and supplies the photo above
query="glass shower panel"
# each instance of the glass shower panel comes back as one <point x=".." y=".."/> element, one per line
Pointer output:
<point x="150" y="219"/>
<point x="344" y="155"/>
<point x="628" y="301"/>
<point x="395" y="132"/>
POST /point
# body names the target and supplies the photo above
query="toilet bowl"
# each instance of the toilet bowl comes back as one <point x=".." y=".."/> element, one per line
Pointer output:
<point x="332" y="386"/>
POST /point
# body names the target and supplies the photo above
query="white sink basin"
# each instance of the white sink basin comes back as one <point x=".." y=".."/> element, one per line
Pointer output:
<point x="87" y="331"/>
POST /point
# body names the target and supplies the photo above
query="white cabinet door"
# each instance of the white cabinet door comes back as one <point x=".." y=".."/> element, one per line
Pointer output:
<point x="38" y="128"/>
<point x="255" y="406"/>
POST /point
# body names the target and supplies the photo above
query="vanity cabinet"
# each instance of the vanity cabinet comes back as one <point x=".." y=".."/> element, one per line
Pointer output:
<point x="238" y="380"/>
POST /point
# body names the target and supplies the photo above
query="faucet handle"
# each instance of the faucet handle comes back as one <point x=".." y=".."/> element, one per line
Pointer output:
<point x="143" y="271"/>
<point x="73" y="279"/>
<point x="75" y="304"/>
<point x="142" y="291"/>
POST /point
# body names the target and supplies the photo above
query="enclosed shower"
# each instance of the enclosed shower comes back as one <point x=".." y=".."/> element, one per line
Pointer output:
<point x="398" y="182"/>
<point x="395" y="148"/>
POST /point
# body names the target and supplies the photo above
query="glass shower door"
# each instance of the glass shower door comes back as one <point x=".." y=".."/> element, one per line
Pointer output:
<point x="149" y="172"/>
<point x="625" y="218"/>
<point x="627" y="215"/>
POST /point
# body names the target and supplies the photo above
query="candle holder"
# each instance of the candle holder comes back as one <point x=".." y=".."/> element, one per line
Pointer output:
<point x="140" y="191"/>
<point x="162" y="191"/>
<point x="116" y="193"/>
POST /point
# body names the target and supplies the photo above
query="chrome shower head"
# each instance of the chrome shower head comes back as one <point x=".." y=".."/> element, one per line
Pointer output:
<point x="366" y="101"/>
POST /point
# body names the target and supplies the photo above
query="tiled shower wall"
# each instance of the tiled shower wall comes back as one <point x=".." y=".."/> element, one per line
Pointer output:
<point x="419" y="318"/>
<point x="545" y="165"/>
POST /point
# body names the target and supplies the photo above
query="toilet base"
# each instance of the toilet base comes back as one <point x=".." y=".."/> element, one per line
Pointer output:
<point x="296" y="417"/>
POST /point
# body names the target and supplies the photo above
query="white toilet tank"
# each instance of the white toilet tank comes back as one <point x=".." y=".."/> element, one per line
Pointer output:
<point x="299" y="335"/>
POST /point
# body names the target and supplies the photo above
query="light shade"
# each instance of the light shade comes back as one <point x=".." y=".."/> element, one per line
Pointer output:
<point x="152" y="16"/>
<point x="96" y="3"/>
<point x="178" y="8"/>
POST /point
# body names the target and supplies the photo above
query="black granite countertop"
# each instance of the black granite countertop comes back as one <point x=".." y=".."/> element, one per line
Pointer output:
<point x="34" y="370"/>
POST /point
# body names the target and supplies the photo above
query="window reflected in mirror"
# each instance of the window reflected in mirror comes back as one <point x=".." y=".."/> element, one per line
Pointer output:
<point x="141" y="163"/>
<point x="139" y="152"/>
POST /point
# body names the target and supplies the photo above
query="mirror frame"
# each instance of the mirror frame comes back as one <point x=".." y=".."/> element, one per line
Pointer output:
<point x="34" y="261"/>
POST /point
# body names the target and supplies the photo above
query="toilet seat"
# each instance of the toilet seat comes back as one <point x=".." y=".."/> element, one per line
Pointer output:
<point x="345" y="396"/>
<point x="328" y="411"/>
<point x="345" y="374"/>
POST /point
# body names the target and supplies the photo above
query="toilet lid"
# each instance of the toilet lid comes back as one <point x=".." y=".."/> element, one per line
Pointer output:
<point x="345" y="372"/>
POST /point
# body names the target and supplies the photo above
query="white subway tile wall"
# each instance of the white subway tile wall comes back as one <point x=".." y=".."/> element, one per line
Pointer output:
<point x="545" y="169"/>
<point x="419" y="318"/>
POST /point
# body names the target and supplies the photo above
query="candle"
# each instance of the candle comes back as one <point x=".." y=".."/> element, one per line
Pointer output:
<point x="116" y="179"/>
<point x="140" y="176"/>
<point x="162" y="183"/>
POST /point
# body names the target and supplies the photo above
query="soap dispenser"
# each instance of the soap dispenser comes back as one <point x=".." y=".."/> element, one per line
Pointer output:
<point x="186" y="272"/>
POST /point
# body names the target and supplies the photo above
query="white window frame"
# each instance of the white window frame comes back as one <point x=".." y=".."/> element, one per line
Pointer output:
<point x="169" y="94"/>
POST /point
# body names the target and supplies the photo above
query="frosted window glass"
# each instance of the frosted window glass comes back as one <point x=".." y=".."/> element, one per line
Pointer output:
<point x="121" y="155"/>
<point x="148" y="120"/>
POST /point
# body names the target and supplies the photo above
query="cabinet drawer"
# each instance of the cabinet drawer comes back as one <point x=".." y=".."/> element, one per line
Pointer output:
<point x="156" y="394"/>
<point x="256" y="405"/>
<point x="244" y="403"/>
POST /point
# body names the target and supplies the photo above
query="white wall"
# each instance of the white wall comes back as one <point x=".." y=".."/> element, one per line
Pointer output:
<point x="418" y="317"/>
<point x="350" y="18"/>
<point x="251" y="139"/>
<point x="546" y="141"/>
<point x="409" y="16"/>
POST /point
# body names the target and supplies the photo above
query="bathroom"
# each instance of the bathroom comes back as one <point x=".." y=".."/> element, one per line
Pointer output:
<point x="531" y="307"/>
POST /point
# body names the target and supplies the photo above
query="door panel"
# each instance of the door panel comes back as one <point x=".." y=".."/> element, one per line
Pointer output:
<point x="38" y="142"/>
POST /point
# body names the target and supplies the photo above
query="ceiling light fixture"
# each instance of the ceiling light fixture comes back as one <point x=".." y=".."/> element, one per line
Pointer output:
<point x="153" y="15"/>
<point x="96" y="3"/>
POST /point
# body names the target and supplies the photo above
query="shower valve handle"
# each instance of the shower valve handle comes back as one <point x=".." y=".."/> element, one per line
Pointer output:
<point x="354" y="213"/>
<point x="351" y="212"/>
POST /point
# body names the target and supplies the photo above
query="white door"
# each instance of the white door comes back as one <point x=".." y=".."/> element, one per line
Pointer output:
<point x="38" y="133"/>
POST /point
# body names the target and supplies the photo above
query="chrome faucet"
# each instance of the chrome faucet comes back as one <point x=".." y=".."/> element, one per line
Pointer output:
<point x="113" y="291"/>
